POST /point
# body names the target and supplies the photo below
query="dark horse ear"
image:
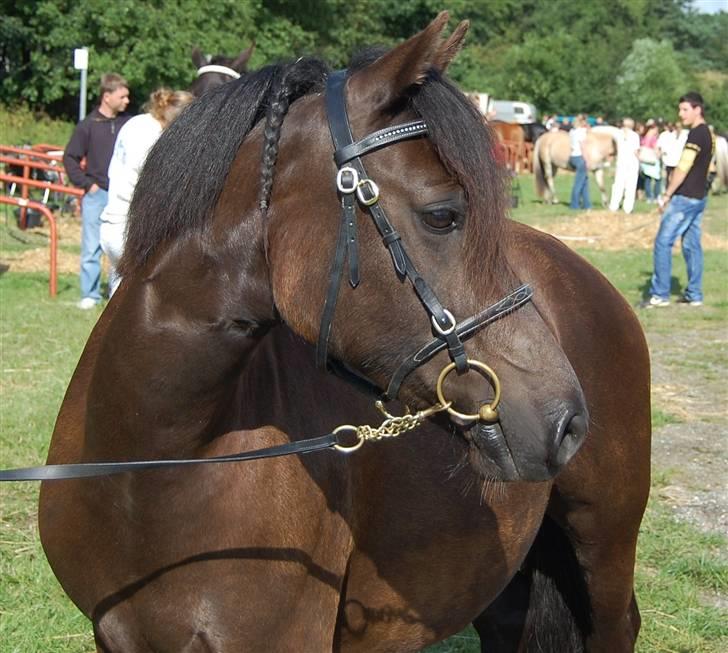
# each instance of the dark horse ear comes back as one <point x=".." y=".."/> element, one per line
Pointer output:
<point x="241" y="62"/>
<point x="450" y="48"/>
<point x="198" y="58"/>
<point x="384" y="81"/>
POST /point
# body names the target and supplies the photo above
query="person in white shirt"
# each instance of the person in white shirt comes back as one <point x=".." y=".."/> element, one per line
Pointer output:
<point x="627" y="170"/>
<point x="133" y="143"/>
<point x="671" y="143"/>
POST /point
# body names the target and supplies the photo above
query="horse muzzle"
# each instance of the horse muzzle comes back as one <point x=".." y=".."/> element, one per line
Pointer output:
<point x="508" y="450"/>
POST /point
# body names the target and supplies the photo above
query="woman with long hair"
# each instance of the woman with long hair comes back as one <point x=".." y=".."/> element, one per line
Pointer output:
<point x="133" y="143"/>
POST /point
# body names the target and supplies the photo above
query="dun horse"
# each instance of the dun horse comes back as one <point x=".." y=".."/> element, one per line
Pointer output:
<point x="218" y="69"/>
<point x="552" y="151"/>
<point x="517" y="507"/>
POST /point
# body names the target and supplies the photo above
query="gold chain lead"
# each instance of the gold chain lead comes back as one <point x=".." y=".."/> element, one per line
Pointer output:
<point x="391" y="427"/>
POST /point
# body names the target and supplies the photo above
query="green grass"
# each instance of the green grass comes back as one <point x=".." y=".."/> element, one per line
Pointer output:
<point x="662" y="418"/>
<point x="40" y="342"/>
<point x="680" y="571"/>
<point x="20" y="125"/>
<point x="680" y="575"/>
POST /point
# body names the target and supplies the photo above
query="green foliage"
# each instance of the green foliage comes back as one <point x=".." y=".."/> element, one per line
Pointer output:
<point x="564" y="56"/>
<point x="714" y="87"/>
<point x="650" y="80"/>
<point x="19" y="126"/>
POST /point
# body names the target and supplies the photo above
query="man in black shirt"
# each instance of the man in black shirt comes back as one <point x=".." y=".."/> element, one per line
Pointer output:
<point x="93" y="139"/>
<point x="683" y="205"/>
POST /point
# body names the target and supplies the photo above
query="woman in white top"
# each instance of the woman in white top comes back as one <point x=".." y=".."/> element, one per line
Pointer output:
<point x="627" y="168"/>
<point x="577" y="160"/>
<point x="132" y="145"/>
<point x="670" y="143"/>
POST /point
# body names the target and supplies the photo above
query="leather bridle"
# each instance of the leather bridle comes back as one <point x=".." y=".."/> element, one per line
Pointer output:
<point x="354" y="187"/>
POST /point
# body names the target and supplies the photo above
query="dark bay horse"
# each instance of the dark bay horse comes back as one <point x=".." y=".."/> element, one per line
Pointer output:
<point x="523" y="517"/>
<point x="218" y="69"/>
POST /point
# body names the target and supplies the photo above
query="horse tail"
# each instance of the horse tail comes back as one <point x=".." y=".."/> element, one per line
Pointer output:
<point x="538" y="174"/>
<point x="559" y="615"/>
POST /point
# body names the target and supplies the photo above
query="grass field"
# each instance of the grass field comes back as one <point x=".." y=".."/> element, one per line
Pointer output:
<point x="682" y="573"/>
<point x="20" y="125"/>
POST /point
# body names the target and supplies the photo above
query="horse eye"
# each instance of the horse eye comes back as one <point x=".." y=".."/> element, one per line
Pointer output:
<point x="440" y="220"/>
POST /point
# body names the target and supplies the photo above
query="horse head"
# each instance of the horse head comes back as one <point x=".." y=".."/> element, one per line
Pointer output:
<point x="218" y="69"/>
<point x="412" y="212"/>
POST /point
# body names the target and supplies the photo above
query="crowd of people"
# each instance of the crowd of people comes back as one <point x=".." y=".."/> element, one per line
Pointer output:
<point x="647" y="154"/>
<point x="667" y="163"/>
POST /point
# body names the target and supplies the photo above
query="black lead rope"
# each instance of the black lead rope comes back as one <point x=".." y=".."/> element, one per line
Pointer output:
<point x="90" y="470"/>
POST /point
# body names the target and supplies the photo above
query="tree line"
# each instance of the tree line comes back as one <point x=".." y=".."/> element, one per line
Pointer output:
<point x="606" y="57"/>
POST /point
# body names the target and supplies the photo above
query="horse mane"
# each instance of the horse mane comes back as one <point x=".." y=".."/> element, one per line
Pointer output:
<point x="186" y="169"/>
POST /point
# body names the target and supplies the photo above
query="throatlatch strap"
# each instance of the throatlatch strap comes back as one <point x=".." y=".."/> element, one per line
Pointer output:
<point x="337" y="266"/>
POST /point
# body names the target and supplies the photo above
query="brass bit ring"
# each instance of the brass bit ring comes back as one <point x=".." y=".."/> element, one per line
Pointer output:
<point x="487" y="412"/>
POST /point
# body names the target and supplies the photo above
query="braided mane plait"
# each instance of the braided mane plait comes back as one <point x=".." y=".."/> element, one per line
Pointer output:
<point x="297" y="79"/>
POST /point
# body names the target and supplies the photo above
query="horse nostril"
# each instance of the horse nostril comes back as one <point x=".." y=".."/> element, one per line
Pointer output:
<point x="569" y="438"/>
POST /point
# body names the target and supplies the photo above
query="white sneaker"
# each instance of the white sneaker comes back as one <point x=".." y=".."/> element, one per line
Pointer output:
<point x="87" y="303"/>
<point x="654" y="302"/>
<point x="684" y="301"/>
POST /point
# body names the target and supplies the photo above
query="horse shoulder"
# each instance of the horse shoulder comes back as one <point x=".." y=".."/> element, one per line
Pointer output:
<point x="605" y="343"/>
<point x="572" y="292"/>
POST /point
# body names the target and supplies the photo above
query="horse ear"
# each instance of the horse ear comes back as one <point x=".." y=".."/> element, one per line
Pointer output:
<point x="198" y="58"/>
<point x="449" y="50"/>
<point x="241" y="63"/>
<point x="383" y="81"/>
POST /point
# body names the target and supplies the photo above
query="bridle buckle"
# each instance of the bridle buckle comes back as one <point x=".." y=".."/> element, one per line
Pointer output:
<point x="447" y="331"/>
<point x="347" y="180"/>
<point x="373" y="192"/>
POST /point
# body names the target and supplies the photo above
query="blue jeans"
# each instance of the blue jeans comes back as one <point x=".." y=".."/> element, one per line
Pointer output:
<point x="682" y="217"/>
<point x="580" y="190"/>
<point x="92" y="206"/>
<point x="652" y="188"/>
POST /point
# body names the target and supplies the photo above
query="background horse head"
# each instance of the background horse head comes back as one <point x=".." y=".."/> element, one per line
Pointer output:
<point x="218" y="69"/>
<point x="444" y="196"/>
<point x="552" y="151"/>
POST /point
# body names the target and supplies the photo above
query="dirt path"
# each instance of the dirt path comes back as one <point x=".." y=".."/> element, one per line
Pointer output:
<point x="695" y="450"/>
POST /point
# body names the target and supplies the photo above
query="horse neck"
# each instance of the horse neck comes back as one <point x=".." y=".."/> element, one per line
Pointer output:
<point x="182" y="330"/>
